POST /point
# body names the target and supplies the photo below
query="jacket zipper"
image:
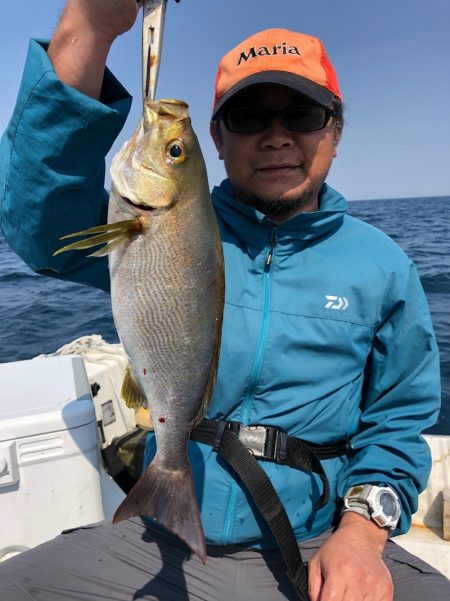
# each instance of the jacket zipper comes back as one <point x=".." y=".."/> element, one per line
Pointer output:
<point x="254" y="377"/>
<point x="267" y="288"/>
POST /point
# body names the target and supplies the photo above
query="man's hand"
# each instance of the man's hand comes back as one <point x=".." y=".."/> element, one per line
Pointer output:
<point x="83" y="38"/>
<point x="104" y="18"/>
<point x="349" y="566"/>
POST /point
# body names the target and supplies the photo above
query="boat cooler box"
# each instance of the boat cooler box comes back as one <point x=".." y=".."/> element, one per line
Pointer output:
<point x="49" y="452"/>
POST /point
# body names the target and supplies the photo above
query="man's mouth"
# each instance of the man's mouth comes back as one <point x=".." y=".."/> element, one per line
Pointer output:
<point x="276" y="169"/>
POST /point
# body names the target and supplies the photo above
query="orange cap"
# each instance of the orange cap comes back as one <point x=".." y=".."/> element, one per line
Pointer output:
<point x="278" y="56"/>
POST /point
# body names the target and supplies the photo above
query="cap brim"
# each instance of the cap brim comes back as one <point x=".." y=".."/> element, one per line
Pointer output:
<point x="299" y="84"/>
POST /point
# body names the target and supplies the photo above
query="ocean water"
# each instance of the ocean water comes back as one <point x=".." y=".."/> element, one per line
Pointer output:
<point x="39" y="314"/>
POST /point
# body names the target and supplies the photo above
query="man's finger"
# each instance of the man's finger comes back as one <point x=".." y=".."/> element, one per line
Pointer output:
<point x="314" y="581"/>
<point x="334" y="589"/>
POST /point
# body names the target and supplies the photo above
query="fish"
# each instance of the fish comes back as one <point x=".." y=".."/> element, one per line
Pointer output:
<point x="167" y="292"/>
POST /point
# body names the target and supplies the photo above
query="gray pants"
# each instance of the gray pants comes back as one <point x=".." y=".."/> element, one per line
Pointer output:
<point x="131" y="561"/>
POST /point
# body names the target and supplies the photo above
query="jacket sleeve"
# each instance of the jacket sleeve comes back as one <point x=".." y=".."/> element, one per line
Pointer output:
<point x="52" y="168"/>
<point x="401" y="398"/>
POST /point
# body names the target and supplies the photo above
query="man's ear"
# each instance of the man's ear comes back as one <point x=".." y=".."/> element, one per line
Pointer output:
<point x="216" y="135"/>
<point x="337" y="133"/>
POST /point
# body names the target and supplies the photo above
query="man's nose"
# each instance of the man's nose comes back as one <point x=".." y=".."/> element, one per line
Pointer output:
<point x="276" y="135"/>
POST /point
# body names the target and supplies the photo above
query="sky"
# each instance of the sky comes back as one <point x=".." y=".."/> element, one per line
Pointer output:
<point x="392" y="58"/>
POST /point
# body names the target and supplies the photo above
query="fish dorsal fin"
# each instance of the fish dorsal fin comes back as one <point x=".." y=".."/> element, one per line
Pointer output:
<point x="209" y="386"/>
<point x="220" y="292"/>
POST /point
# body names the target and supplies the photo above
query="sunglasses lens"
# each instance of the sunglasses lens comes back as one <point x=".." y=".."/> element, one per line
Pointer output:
<point x="246" y="119"/>
<point x="253" y="119"/>
<point x="308" y="117"/>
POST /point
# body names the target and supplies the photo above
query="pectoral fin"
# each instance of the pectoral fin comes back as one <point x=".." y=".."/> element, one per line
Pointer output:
<point x="113" y="234"/>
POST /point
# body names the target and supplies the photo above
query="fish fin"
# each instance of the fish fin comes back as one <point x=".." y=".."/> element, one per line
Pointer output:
<point x="112" y="234"/>
<point x="105" y="250"/>
<point x="220" y="295"/>
<point x="209" y="386"/>
<point x="99" y="229"/>
<point x="169" y="497"/>
<point x="143" y="418"/>
<point x="135" y="398"/>
<point x="131" y="392"/>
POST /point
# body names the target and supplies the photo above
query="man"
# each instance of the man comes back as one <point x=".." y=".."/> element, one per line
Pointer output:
<point x="326" y="331"/>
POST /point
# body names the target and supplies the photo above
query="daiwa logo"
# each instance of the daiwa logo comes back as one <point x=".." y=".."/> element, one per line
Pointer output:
<point x="340" y="303"/>
<point x="283" y="48"/>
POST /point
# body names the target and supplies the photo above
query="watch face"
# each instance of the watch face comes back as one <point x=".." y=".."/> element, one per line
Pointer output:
<point x="388" y="504"/>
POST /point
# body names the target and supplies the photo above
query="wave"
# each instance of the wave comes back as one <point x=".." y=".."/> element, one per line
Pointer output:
<point x="438" y="282"/>
<point x="17" y="277"/>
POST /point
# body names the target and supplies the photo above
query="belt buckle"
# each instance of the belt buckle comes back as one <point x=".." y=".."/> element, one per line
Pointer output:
<point x="254" y="438"/>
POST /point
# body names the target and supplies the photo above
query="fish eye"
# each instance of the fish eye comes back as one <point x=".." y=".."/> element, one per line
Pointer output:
<point x="176" y="152"/>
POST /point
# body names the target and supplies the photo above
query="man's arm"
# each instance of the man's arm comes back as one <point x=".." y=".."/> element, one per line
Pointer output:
<point x="401" y="398"/>
<point x="52" y="153"/>
<point x="83" y="38"/>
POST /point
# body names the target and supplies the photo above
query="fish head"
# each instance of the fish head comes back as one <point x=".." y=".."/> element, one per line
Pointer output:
<point x="160" y="160"/>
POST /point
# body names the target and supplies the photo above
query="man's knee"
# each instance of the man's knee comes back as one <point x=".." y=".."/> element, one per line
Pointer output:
<point x="414" y="579"/>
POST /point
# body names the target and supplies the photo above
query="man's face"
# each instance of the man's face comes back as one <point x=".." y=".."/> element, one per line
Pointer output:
<point x="278" y="171"/>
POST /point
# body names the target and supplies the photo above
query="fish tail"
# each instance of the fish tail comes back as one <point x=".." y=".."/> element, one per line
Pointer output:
<point x="169" y="497"/>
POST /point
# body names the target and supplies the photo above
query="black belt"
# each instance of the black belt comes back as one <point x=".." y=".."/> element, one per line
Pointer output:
<point x="272" y="444"/>
<point x="240" y="446"/>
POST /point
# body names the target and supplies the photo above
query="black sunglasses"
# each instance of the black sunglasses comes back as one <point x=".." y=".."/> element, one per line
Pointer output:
<point x="254" y="119"/>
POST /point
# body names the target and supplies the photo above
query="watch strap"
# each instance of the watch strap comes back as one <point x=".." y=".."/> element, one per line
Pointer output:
<point x="364" y="500"/>
<point x="359" y="509"/>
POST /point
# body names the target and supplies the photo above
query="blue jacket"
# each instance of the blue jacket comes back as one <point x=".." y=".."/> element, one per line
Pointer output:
<point x="331" y="339"/>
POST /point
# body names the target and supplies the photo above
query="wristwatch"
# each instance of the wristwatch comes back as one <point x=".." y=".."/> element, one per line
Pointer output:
<point x="377" y="503"/>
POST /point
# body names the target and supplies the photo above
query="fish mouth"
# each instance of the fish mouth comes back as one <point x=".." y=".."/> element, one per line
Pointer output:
<point x="139" y="206"/>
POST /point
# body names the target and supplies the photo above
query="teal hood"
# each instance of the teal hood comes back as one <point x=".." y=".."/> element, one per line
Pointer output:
<point x="250" y="226"/>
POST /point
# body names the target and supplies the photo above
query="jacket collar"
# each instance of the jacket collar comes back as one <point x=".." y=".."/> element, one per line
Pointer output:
<point x="254" y="229"/>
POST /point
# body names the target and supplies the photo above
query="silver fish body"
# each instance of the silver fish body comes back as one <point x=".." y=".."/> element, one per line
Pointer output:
<point x="167" y="298"/>
<point x="167" y="289"/>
